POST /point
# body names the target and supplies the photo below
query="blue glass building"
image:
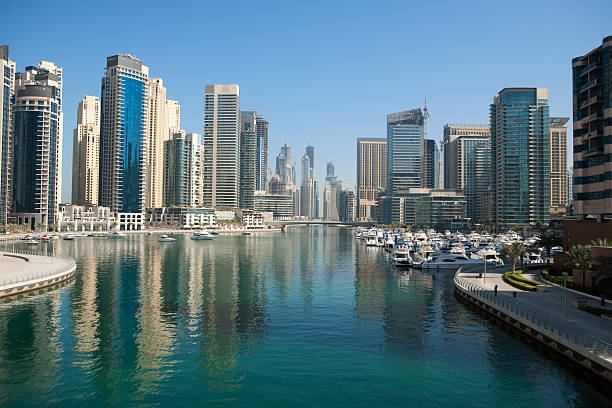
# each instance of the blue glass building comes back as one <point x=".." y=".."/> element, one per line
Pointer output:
<point x="123" y="135"/>
<point x="405" y="149"/>
<point x="520" y="148"/>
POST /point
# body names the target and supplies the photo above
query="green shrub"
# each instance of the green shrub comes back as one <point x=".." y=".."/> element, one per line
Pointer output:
<point x="597" y="311"/>
<point x="556" y="279"/>
<point x="516" y="280"/>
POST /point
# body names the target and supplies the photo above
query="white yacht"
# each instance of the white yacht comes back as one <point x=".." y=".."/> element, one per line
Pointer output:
<point x="117" y="235"/>
<point x="165" y="238"/>
<point x="490" y="254"/>
<point x="448" y="261"/>
<point x="371" y="241"/>
<point x="401" y="257"/>
<point x="68" y="237"/>
<point x="201" y="236"/>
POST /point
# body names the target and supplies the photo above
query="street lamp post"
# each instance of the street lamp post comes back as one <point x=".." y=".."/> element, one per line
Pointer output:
<point x="484" y="260"/>
<point x="565" y="290"/>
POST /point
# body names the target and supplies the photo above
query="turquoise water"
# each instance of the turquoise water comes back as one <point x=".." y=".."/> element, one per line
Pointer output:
<point x="307" y="318"/>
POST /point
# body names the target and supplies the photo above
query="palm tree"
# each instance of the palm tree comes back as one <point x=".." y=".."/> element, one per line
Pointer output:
<point x="514" y="251"/>
<point x="603" y="242"/>
<point x="548" y="241"/>
<point x="580" y="257"/>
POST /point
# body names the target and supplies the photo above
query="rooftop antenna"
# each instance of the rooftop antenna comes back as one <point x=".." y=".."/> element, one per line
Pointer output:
<point x="425" y="113"/>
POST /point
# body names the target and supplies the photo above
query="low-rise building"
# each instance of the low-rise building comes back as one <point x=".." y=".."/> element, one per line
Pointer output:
<point x="182" y="217"/>
<point x="280" y="205"/>
<point x="423" y="207"/>
<point x="85" y="218"/>
<point x="251" y="219"/>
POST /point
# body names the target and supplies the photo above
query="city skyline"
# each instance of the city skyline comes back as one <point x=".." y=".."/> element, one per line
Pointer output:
<point x="462" y="96"/>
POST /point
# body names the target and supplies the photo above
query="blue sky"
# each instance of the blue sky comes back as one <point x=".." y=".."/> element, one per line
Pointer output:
<point x="325" y="72"/>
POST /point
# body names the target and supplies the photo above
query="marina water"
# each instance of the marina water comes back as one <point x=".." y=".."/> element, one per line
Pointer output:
<point x="310" y="317"/>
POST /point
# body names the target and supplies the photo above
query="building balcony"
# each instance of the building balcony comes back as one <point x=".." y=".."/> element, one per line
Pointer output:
<point x="593" y="135"/>
<point x="593" y="151"/>
<point x="588" y="85"/>
<point x="589" y="68"/>
<point x="593" y="117"/>
<point x="590" y="101"/>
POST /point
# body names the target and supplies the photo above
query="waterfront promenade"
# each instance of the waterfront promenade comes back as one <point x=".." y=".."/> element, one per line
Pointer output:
<point x="542" y="316"/>
<point x="21" y="272"/>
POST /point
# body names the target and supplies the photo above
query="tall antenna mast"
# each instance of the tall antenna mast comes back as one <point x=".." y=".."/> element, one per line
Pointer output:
<point x="425" y="113"/>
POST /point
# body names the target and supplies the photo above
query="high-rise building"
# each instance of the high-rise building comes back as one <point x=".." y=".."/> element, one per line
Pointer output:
<point x="157" y="130"/>
<point x="371" y="175"/>
<point x="222" y="145"/>
<point x="36" y="152"/>
<point x="307" y="199"/>
<point x="306" y="168"/>
<point x="123" y="139"/>
<point x="310" y="154"/>
<point x="592" y="96"/>
<point x="261" y="164"/>
<point x="7" y="93"/>
<point x="183" y="170"/>
<point x="405" y="145"/>
<point x="431" y="164"/>
<point x="558" y="163"/>
<point x="570" y="185"/>
<point x="520" y="146"/>
<point x="331" y="170"/>
<point x="86" y="153"/>
<point x="248" y="159"/>
<point x="467" y="164"/>
<point x="347" y="206"/>
<point x="174" y="117"/>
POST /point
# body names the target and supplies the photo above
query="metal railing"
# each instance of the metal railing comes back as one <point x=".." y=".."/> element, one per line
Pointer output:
<point x="65" y="265"/>
<point x="544" y="321"/>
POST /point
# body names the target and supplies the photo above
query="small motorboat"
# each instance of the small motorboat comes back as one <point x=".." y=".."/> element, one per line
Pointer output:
<point x="165" y="238"/>
<point x="68" y="237"/>
<point x="202" y="236"/>
<point x="32" y="242"/>
<point x="246" y="233"/>
<point x="117" y="235"/>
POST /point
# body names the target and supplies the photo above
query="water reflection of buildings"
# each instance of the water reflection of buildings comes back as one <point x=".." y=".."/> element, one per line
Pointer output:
<point x="395" y="301"/>
<point x="30" y="346"/>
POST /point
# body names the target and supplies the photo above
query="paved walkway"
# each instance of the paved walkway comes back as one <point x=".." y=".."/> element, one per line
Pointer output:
<point x="550" y="302"/>
<point x="17" y="270"/>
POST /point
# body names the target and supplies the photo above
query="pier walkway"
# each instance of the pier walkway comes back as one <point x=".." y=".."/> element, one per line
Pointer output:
<point x="584" y="337"/>
<point x="21" y="273"/>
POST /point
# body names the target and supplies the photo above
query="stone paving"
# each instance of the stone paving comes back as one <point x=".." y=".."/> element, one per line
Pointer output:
<point x="551" y="302"/>
<point x="22" y="269"/>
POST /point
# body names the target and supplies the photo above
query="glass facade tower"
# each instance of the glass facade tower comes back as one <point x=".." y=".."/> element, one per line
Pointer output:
<point x="520" y="145"/>
<point x="123" y="135"/>
<point x="261" y="171"/>
<point x="405" y="149"/>
<point x="248" y="158"/>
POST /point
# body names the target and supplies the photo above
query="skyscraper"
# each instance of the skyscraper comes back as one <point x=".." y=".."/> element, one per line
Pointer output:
<point x="183" y="170"/>
<point x="520" y="144"/>
<point x="467" y="165"/>
<point x="371" y="175"/>
<point x="221" y="145"/>
<point x="123" y="138"/>
<point x="157" y="134"/>
<point x="431" y="164"/>
<point x="331" y="194"/>
<point x="331" y="170"/>
<point x="174" y="117"/>
<point x="86" y="153"/>
<point x="36" y="153"/>
<point x="592" y="96"/>
<point x="261" y="171"/>
<point x="248" y="158"/>
<point x="405" y="145"/>
<point x="558" y="163"/>
<point x="306" y="168"/>
<point x="451" y="163"/>
<point x="7" y="92"/>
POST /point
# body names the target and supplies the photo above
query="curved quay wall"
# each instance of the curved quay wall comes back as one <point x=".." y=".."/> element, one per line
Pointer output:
<point x="43" y="272"/>
<point x="588" y="351"/>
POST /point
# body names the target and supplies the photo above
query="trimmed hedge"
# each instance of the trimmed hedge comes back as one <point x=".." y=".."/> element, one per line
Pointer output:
<point x="596" y="311"/>
<point x="519" y="282"/>
<point x="556" y="279"/>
